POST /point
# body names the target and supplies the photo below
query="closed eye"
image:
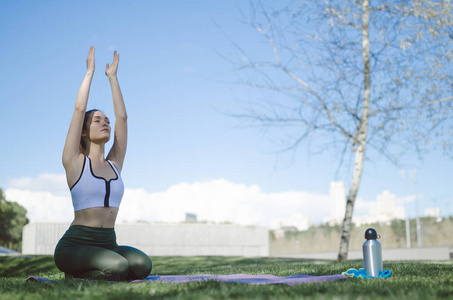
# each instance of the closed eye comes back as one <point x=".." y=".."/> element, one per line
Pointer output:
<point x="98" y="119"/>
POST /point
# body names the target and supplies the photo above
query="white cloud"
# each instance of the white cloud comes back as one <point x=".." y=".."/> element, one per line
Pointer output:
<point x="47" y="198"/>
<point x="220" y="201"/>
<point x="362" y="207"/>
<point x="42" y="206"/>
<point x="298" y="220"/>
<point x="46" y="182"/>
<point x="407" y="199"/>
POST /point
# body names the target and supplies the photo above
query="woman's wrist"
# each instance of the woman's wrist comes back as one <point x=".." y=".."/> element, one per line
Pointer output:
<point x="113" y="77"/>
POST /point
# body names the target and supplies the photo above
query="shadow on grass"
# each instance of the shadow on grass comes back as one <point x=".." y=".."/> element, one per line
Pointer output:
<point x="18" y="266"/>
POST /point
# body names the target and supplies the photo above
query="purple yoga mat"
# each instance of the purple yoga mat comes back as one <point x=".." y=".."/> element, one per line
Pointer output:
<point x="240" y="278"/>
<point x="245" y="278"/>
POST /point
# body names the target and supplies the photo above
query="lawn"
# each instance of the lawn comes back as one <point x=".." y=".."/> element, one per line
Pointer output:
<point x="410" y="280"/>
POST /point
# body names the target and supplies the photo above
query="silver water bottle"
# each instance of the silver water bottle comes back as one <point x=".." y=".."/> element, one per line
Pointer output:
<point x="372" y="254"/>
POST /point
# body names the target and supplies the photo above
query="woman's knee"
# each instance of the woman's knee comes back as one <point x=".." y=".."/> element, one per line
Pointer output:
<point x="119" y="269"/>
<point x="140" y="266"/>
<point x="140" y="263"/>
<point x="114" y="268"/>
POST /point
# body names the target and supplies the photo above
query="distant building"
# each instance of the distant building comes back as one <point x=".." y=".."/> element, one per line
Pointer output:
<point x="433" y="212"/>
<point x="191" y="218"/>
<point x="337" y="202"/>
<point x="387" y="208"/>
<point x="384" y="210"/>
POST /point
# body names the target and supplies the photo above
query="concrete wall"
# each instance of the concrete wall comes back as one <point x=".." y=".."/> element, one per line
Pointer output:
<point x="41" y="238"/>
<point x="163" y="239"/>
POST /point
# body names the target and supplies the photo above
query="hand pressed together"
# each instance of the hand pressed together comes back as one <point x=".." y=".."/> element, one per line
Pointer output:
<point x="90" y="60"/>
<point x="111" y="70"/>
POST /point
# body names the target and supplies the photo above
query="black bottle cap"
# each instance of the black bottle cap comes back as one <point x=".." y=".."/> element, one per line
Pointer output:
<point x="370" y="234"/>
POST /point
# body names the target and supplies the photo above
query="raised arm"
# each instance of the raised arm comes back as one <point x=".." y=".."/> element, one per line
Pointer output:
<point x="118" y="151"/>
<point x="71" y="151"/>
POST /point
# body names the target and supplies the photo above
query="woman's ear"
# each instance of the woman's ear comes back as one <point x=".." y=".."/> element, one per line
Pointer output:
<point x="85" y="134"/>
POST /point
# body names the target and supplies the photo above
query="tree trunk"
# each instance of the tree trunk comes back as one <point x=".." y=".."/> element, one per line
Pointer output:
<point x="361" y="139"/>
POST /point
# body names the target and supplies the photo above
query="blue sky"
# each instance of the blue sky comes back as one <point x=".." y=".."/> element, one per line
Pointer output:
<point x="176" y="83"/>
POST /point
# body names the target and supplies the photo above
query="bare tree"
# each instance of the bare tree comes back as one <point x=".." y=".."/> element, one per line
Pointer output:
<point x="354" y="75"/>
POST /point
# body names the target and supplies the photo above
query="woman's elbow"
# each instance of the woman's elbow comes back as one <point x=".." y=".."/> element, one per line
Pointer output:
<point x="122" y="117"/>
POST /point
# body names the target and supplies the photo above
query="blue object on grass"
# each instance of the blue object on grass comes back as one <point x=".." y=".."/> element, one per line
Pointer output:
<point x="361" y="274"/>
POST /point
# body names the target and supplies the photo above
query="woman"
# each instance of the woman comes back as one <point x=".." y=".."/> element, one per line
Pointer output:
<point x="88" y="249"/>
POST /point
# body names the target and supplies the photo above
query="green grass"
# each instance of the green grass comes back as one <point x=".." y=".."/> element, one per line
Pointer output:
<point x="410" y="280"/>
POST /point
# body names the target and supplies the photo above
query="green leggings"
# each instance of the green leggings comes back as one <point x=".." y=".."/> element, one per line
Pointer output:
<point x="92" y="253"/>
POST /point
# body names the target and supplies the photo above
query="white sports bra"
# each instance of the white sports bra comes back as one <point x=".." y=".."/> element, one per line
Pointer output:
<point x="92" y="191"/>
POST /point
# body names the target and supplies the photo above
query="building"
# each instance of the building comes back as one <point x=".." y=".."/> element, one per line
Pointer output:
<point x="384" y="210"/>
<point x="191" y="218"/>
<point x="433" y="212"/>
<point x="337" y="202"/>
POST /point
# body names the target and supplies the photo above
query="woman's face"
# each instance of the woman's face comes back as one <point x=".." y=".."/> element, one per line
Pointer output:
<point x="99" y="127"/>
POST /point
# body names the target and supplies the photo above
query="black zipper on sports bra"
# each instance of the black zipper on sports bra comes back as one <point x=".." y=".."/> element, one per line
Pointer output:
<point x="107" y="194"/>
